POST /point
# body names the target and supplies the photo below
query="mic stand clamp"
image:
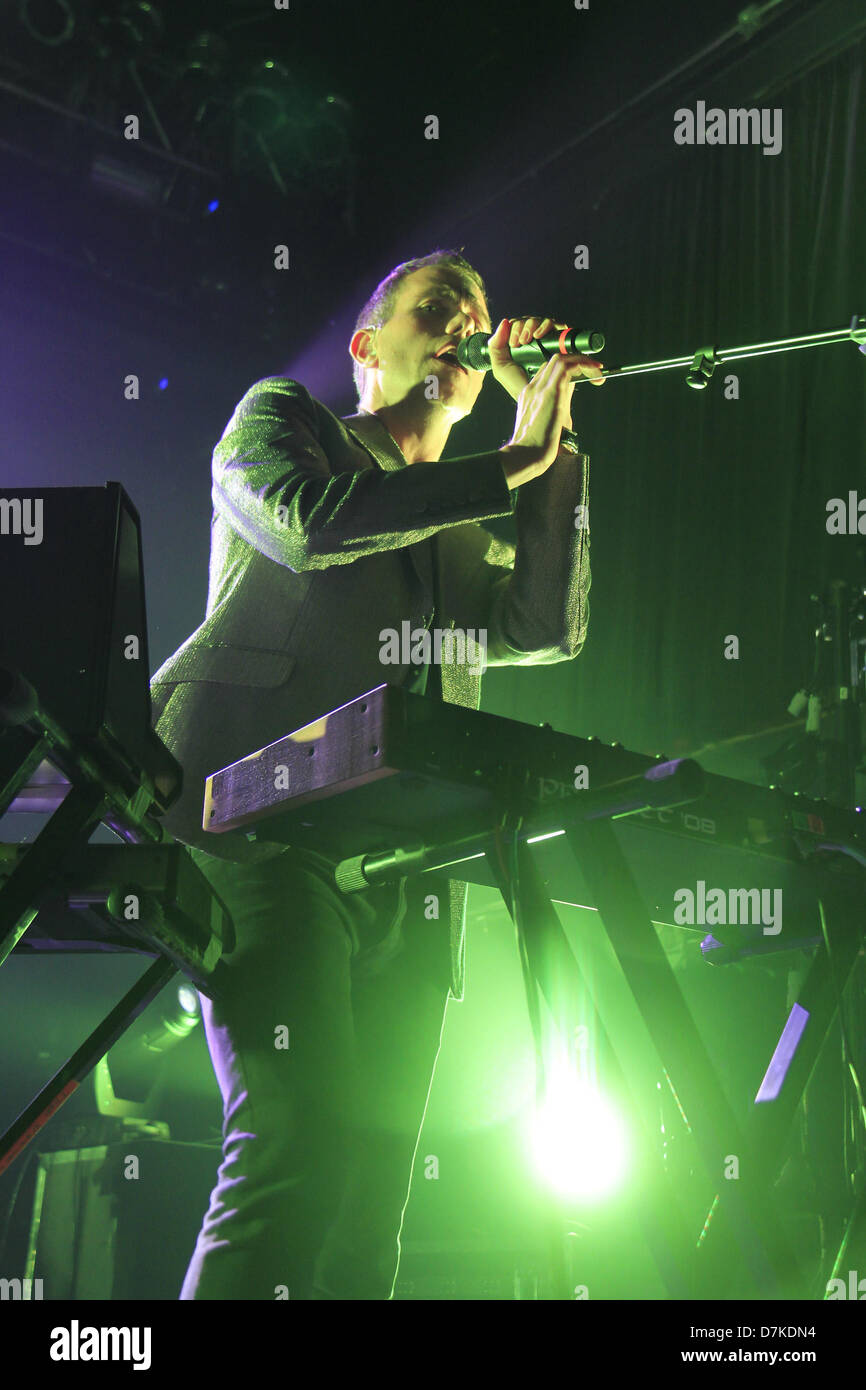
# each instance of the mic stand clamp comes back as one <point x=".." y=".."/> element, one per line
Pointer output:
<point x="858" y="331"/>
<point x="702" y="368"/>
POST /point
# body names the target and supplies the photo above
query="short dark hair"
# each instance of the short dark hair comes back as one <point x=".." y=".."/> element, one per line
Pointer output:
<point x="380" y="306"/>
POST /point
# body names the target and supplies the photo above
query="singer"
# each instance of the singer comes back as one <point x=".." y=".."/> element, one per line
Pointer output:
<point x="326" y="531"/>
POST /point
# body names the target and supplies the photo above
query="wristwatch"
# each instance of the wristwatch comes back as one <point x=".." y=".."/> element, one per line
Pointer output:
<point x="568" y="440"/>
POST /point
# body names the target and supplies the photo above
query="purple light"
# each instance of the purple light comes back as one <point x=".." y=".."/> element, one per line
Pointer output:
<point x="784" y="1054"/>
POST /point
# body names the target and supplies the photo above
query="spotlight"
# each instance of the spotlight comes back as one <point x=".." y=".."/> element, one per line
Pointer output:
<point x="176" y="1025"/>
<point x="134" y="1061"/>
<point x="578" y="1140"/>
<point x="206" y="56"/>
<point x="50" y="22"/>
<point x="188" y="999"/>
<point x="131" y="29"/>
<point x="263" y="102"/>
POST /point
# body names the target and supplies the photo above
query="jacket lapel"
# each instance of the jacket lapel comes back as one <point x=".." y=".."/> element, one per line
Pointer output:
<point x="368" y="431"/>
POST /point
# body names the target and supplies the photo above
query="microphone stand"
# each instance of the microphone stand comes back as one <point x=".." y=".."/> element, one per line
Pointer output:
<point x="704" y="362"/>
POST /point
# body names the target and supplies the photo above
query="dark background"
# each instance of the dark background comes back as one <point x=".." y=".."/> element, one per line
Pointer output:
<point x="556" y="129"/>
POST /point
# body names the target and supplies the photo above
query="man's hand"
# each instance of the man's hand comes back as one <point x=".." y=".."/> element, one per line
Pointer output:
<point x="509" y="373"/>
<point x="543" y="411"/>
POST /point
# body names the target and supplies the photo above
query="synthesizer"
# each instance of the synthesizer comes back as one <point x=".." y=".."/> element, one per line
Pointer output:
<point x="395" y="769"/>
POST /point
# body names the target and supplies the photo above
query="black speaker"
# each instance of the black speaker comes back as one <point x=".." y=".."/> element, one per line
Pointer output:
<point x="118" y="1221"/>
<point x="78" y="601"/>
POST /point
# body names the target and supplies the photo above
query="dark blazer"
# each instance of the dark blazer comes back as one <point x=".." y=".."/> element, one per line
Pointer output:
<point x="321" y="537"/>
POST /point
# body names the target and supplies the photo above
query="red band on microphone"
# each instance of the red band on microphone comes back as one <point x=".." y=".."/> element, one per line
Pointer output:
<point x="562" y="341"/>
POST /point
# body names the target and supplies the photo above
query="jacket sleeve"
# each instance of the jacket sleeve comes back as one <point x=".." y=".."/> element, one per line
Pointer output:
<point x="534" y="599"/>
<point x="274" y="484"/>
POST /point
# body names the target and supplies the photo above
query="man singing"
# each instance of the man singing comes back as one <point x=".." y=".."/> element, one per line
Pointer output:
<point x="326" y="532"/>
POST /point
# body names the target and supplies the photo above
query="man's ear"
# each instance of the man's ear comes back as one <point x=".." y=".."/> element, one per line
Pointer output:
<point x="363" y="348"/>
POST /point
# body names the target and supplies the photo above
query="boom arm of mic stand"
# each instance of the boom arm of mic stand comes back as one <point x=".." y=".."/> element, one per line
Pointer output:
<point x="664" y="784"/>
<point x="702" y="363"/>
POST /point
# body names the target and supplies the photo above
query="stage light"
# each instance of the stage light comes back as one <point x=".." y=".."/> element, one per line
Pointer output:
<point x="188" y="999"/>
<point x="176" y="1025"/>
<point x="137" y="1062"/>
<point x="578" y="1139"/>
<point x="132" y="30"/>
<point x="266" y="99"/>
<point x="207" y="56"/>
<point x="52" y="22"/>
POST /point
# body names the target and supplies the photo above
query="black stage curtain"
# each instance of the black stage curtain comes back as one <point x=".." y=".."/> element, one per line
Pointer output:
<point x="708" y="515"/>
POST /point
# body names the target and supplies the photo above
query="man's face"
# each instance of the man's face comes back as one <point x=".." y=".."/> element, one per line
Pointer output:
<point x="432" y="312"/>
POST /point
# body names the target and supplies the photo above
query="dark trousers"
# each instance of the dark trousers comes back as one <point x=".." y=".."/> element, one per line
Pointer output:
<point x="324" y="1047"/>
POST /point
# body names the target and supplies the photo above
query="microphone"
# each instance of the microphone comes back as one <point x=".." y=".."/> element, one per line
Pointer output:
<point x="473" y="352"/>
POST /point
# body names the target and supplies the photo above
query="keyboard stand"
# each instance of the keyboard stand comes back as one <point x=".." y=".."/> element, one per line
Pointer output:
<point x="754" y="1224"/>
<point x="756" y="1245"/>
<point x="551" y="968"/>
